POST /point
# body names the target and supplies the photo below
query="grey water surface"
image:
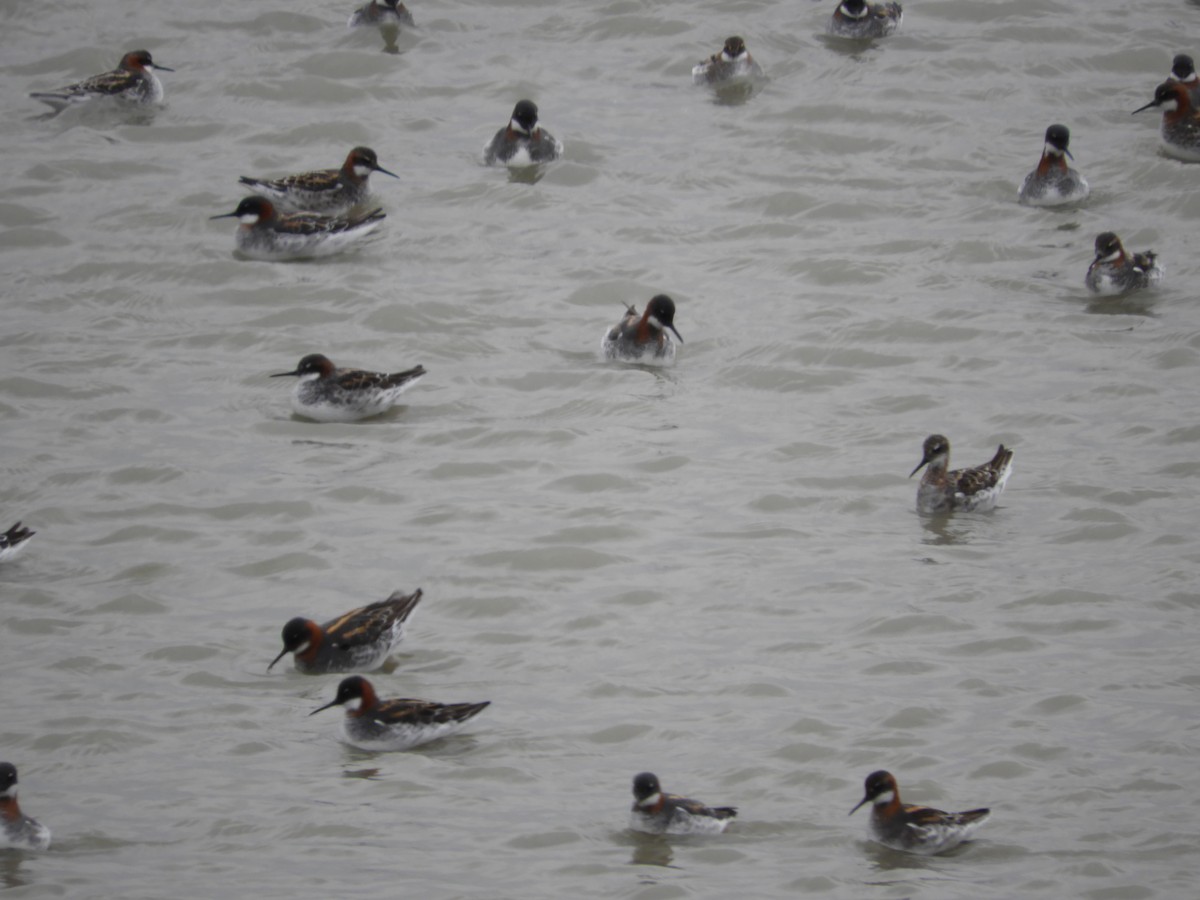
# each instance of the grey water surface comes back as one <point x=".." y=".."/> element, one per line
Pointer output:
<point x="714" y="571"/>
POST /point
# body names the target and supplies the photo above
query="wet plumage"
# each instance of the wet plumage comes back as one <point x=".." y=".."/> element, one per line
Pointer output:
<point x="329" y="394"/>
<point x="914" y="829"/>
<point x="523" y="141"/>
<point x="1114" y="271"/>
<point x="265" y="234"/>
<point x="656" y="812"/>
<point x="326" y="191"/>
<point x="133" y="81"/>
<point x="1053" y="182"/>
<point x="732" y="61"/>
<point x="975" y="489"/>
<point x="860" y="19"/>
<point x="17" y="830"/>
<point x="13" y="541"/>
<point x="644" y="337"/>
<point x="358" y="641"/>
<point x="390" y="13"/>
<point x="1180" y="128"/>
<point x="396" y="724"/>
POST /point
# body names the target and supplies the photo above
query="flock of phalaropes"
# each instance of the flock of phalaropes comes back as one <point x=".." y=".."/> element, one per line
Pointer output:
<point x="317" y="213"/>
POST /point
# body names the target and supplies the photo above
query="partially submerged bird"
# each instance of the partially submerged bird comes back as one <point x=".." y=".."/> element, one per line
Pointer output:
<point x="17" y="830"/>
<point x="133" y="81"/>
<point x="914" y="829"/>
<point x="523" y="142"/>
<point x="732" y="61"/>
<point x="1114" y="271"/>
<point x="976" y="489"/>
<point x="644" y="338"/>
<point x="1053" y="182"/>
<point x="326" y="191"/>
<point x="396" y="724"/>
<point x="326" y="393"/>
<point x="860" y="19"/>
<point x="265" y="234"/>
<point x="357" y="641"/>
<point x="656" y="812"/>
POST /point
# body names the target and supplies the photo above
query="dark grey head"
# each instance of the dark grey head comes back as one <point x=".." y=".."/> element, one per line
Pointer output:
<point x="251" y="211"/>
<point x="1182" y="67"/>
<point x="1108" y="245"/>
<point x="935" y="445"/>
<point x="1058" y="136"/>
<point x="365" y="158"/>
<point x="296" y="635"/>
<point x="734" y="47"/>
<point x="525" y="114"/>
<point x="856" y="9"/>
<point x="662" y="308"/>
<point x="353" y="688"/>
<point x="8" y="777"/>
<point x="645" y="785"/>
<point x="1169" y="92"/>
<point x="313" y="364"/>
<point x="876" y="785"/>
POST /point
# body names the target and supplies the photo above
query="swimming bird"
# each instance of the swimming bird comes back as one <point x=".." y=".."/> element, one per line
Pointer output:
<point x="732" y="61"/>
<point x="914" y="829"/>
<point x="975" y="489"/>
<point x="13" y="541"/>
<point x="18" y="831"/>
<point x="326" y="393"/>
<point x="265" y="234"/>
<point x="1180" y="127"/>
<point x="656" y="812"/>
<point x="326" y="191"/>
<point x="133" y="81"/>
<point x="860" y="19"/>
<point x="1053" y="182"/>
<point x="357" y="641"/>
<point x="644" y="338"/>
<point x="1114" y="271"/>
<point x="396" y="724"/>
<point x="523" y="141"/>
<point x="390" y="13"/>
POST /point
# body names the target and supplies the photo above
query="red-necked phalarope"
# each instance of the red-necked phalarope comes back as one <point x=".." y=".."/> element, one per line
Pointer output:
<point x="265" y="234"/>
<point x="388" y="14"/>
<point x="19" y="832"/>
<point x="644" y="338"/>
<point x="1183" y="70"/>
<point x="1113" y="271"/>
<point x="13" y="541"/>
<point x="133" y="81"/>
<point x="1053" y="182"/>
<point x="358" y="641"/>
<point x="326" y="393"/>
<point x="977" y="488"/>
<point x="1180" y="120"/>
<point x="396" y="724"/>
<point x="914" y="829"/>
<point x="655" y="812"/>
<point x="523" y="142"/>
<point x="326" y="191"/>
<point x="733" y="61"/>
<point x="860" y="19"/>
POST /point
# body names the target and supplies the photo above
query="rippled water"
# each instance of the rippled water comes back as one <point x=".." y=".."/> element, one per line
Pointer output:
<point x="714" y="572"/>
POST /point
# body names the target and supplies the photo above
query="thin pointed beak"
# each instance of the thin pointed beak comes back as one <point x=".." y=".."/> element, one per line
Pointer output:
<point x="910" y="475"/>
<point x="160" y="68"/>
<point x="282" y="653"/>
<point x="864" y="799"/>
<point x="385" y="171"/>
<point x="1141" y="108"/>
<point x="1070" y="155"/>
<point x="285" y="375"/>
<point x="676" y="333"/>
<point x="231" y="215"/>
<point x="325" y="707"/>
